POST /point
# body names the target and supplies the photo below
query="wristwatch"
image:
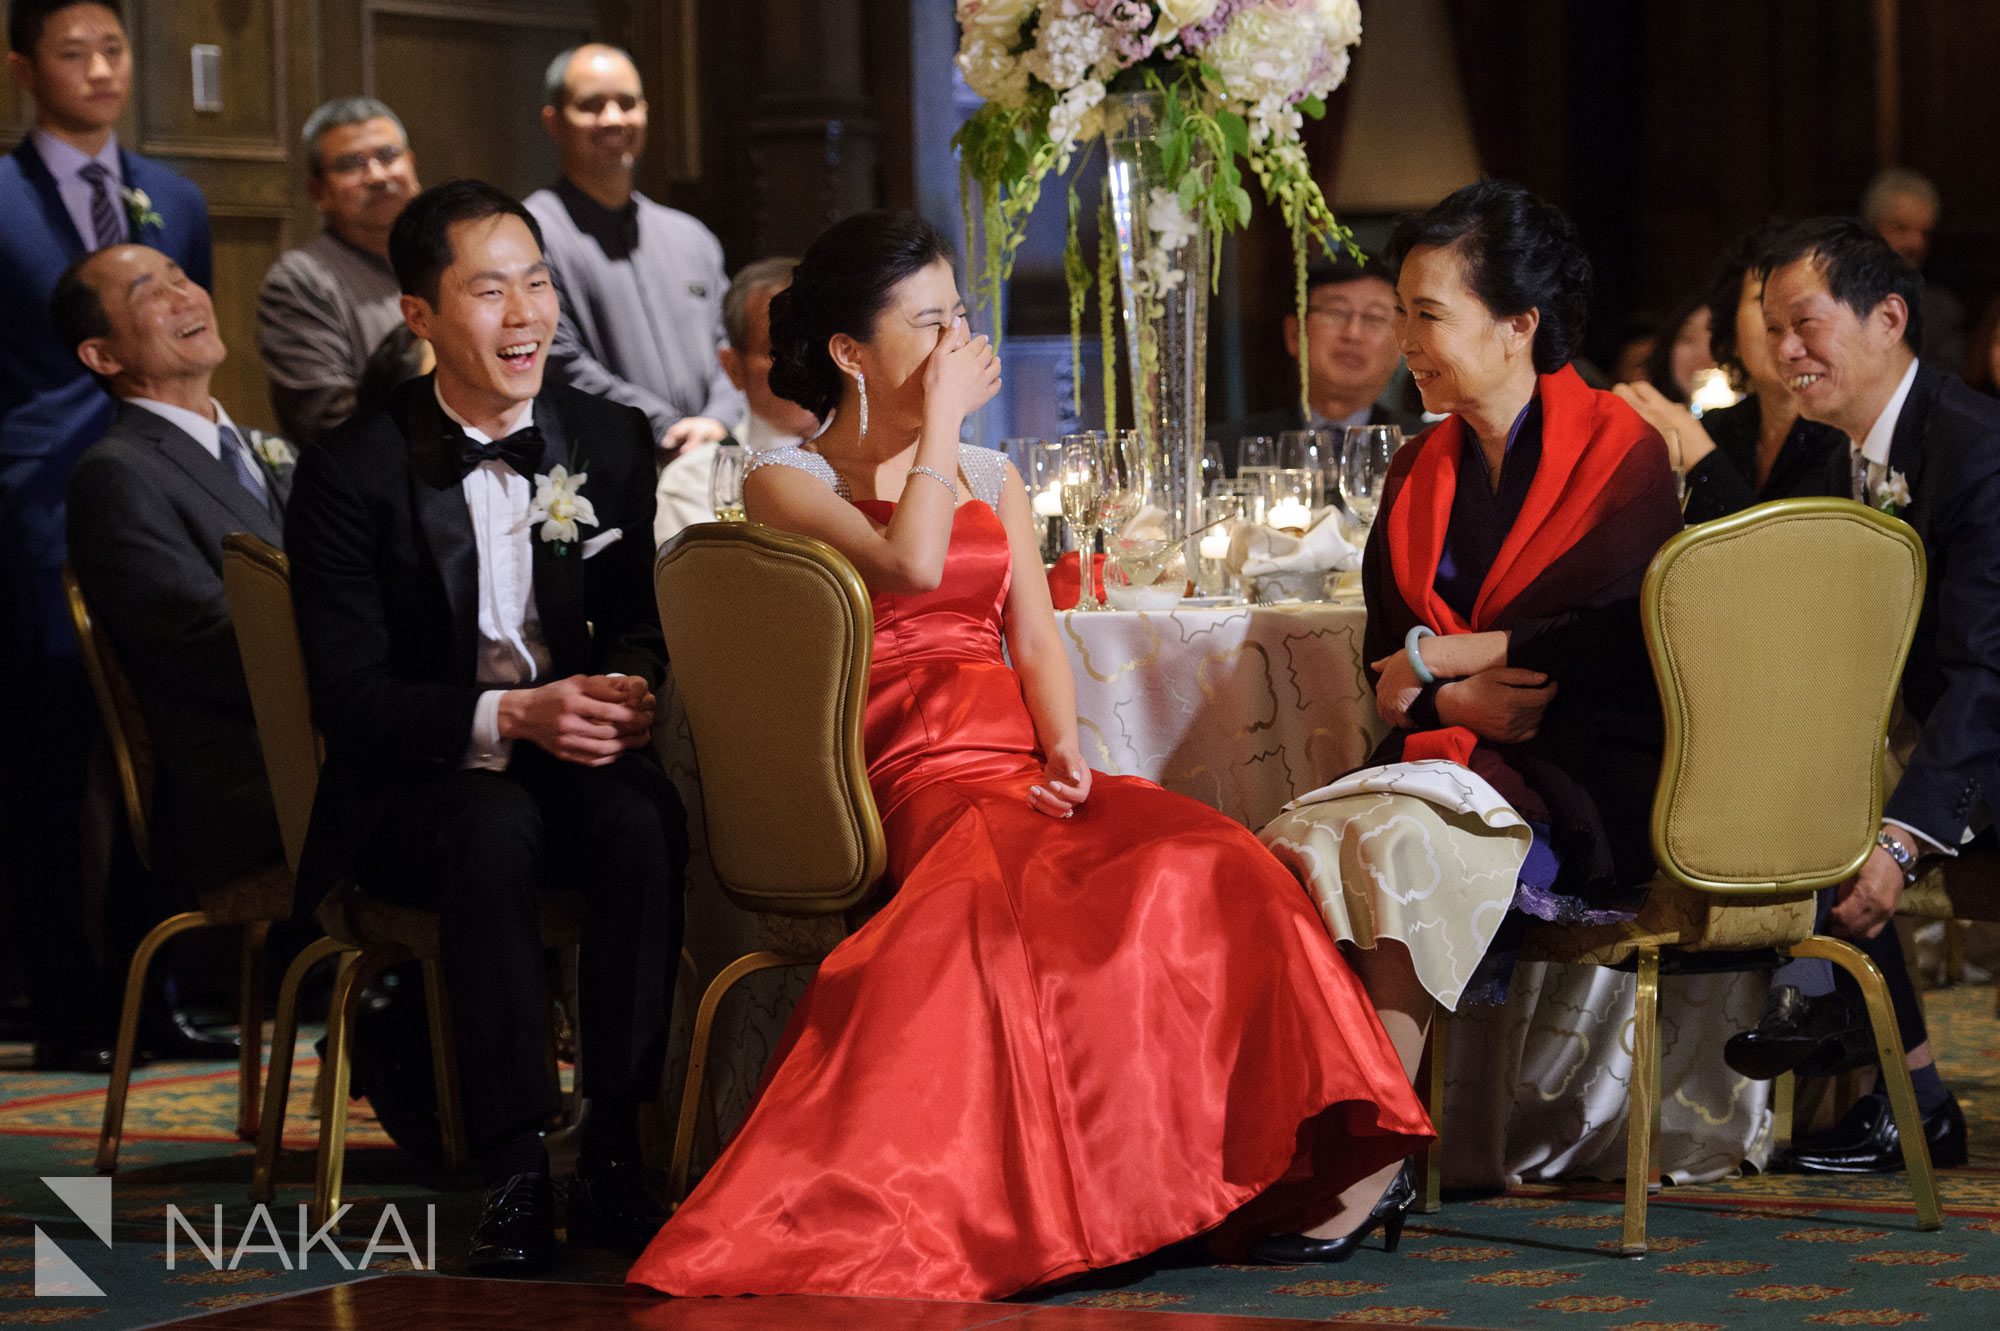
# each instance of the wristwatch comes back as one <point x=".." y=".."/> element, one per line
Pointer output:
<point x="1897" y="852"/>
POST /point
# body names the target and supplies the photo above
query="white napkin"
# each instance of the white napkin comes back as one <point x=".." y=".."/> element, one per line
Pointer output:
<point x="1260" y="552"/>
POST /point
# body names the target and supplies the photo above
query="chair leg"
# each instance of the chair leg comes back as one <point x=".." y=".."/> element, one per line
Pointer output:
<point x="278" y="1085"/>
<point x="1430" y="1198"/>
<point x="128" y="1031"/>
<point x="250" y="1029"/>
<point x="1784" y="1102"/>
<point x="1891" y="1055"/>
<point x="704" y="1024"/>
<point x="336" y="1070"/>
<point x="1642" y="1153"/>
<point x="444" y="1068"/>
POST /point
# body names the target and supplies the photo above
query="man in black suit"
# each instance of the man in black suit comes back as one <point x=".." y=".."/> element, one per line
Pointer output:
<point x="472" y="567"/>
<point x="1350" y="353"/>
<point x="1845" y="317"/>
<point x="149" y="504"/>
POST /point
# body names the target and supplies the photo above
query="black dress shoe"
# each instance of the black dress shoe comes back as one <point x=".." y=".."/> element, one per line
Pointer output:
<point x="611" y="1207"/>
<point x="1865" y="1141"/>
<point x="516" y="1233"/>
<point x="172" y="1038"/>
<point x="52" y="1056"/>
<point x="1819" y="1036"/>
<point x="1389" y="1213"/>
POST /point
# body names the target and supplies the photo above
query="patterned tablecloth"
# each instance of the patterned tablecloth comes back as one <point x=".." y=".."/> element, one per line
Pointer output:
<point x="1245" y="708"/>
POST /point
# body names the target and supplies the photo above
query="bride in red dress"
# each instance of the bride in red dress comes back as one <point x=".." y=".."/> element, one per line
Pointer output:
<point x="1095" y="1018"/>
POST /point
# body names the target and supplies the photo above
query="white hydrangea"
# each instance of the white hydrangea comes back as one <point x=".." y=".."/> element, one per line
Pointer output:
<point x="1067" y="50"/>
<point x="1269" y="56"/>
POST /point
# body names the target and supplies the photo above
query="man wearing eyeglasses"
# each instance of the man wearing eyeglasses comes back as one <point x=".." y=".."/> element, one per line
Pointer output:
<point x="1351" y="356"/>
<point x="327" y="305"/>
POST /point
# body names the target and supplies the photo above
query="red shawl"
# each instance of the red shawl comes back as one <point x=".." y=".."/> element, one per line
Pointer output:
<point x="1602" y="467"/>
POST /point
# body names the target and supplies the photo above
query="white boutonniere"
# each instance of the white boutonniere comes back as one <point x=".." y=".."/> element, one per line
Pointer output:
<point x="139" y="210"/>
<point x="276" y="453"/>
<point x="560" y="507"/>
<point x="1892" y="493"/>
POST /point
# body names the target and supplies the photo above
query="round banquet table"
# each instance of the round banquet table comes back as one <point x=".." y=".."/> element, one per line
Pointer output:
<point x="1245" y="708"/>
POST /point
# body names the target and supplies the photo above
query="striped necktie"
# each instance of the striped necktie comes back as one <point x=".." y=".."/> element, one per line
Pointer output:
<point x="103" y="213"/>
<point x="237" y="454"/>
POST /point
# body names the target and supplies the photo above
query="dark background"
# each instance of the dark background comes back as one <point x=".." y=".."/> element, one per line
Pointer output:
<point x="1662" y="126"/>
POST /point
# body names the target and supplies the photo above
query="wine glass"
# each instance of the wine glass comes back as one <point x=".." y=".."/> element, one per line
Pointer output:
<point x="1256" y="455"/>
<point x="725" y="483"/>
<point x="1305" y="450"/>
<point x="1144" y="563"/>
<point x="1364" y="465"/>
<point x="1081" y="486"/>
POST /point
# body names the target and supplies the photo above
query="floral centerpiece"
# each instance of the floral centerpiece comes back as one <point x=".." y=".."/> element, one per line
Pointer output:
<point x="1234" y="81"/>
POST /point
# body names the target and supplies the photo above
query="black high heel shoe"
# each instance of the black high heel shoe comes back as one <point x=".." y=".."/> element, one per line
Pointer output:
<point x="1389" y="1213"/>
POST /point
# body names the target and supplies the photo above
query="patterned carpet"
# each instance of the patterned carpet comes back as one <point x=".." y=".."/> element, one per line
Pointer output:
<point x="1743" y="1255"/>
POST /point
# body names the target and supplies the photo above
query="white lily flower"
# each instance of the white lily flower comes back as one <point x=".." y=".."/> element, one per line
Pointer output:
<point x="559" y="507"/>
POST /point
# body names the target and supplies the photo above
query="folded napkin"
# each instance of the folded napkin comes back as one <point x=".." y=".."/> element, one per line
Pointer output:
<point x="1257" y="551"/>
<point x="1065" y="581"/>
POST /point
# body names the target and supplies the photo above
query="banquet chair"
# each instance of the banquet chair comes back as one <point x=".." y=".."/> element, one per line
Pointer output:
<point x="251" y="901"/>
<point x="1777" y="638"/>
<point x="364" y="934"/>
<point x="791" y="823"/>
<point x="1958" y="890"/>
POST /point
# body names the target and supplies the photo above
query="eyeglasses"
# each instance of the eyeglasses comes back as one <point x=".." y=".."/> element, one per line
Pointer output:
<point x="352" y="164"/>
<point x="1374" y="321"/>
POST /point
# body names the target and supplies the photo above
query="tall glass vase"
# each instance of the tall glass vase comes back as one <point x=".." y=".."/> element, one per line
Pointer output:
<point x="1163" y="260"/>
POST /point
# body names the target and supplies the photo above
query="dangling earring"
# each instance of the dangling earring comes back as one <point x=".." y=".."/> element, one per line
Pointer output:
<point x="861" y="386"/>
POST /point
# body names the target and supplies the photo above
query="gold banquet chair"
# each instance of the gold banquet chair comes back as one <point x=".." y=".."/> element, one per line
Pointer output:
<point x="252" y="901"/>
<point x="1778" y="638"/>
<point x="366" y="935"/>
<point x="1962" y="889"/>
<point x="769" y="637"/>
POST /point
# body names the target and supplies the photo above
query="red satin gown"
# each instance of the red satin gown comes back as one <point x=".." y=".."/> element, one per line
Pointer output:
<point x="1061" y="1045"/>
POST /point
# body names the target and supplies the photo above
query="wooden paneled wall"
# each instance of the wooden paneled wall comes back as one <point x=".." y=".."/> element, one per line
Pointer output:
<point x="768" y="118"/>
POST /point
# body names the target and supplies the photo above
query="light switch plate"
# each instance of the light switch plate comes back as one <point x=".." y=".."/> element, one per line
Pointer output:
<point x="207" y="76"/>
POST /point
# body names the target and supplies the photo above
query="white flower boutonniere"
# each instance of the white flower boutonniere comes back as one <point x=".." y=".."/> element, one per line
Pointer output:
<point x="139" y="211"/>
<point x="276" y="453"/>
<point x="1892" y="493"/>
<point x="560" y="508"/>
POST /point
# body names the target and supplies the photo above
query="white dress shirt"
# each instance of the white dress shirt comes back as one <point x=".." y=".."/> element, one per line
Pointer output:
<point x="512" y="651"/>
<point x="206" y="432"/>
<point x="66" y="162"/>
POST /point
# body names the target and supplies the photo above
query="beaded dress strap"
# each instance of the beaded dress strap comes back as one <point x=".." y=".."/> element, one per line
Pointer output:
<point x="985" y="471"/>
<point x="805" y="460"/>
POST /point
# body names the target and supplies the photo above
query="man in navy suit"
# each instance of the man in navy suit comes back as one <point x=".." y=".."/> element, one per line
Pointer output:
<point x="67" y="190"/>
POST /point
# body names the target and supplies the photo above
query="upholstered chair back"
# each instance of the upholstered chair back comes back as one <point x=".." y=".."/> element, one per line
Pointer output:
<point x="258" y="582"/>
<point x="769" y="639"/>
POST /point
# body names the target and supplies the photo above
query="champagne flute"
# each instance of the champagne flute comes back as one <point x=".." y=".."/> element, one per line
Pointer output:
<point x="1081" y="486"/>
<point x="725" y="482"/>
<point x="1364" y="465"/>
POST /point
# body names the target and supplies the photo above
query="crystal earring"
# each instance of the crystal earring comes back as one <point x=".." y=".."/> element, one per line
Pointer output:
<point x="861" y="386"/>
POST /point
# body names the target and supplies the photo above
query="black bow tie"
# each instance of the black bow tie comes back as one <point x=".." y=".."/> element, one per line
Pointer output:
<point x="521" y="450"/>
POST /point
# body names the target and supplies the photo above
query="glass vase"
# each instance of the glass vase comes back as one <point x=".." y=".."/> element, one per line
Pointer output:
<point x="1163" y="266"/>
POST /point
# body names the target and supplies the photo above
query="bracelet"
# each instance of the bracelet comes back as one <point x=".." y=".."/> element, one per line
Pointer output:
<point x="938" y="476"/>
<point x="1417" y="635"/>
<point x="1904" y="860"/>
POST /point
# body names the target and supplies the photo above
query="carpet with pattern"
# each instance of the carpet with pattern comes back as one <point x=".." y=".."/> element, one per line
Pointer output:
<point x="1740" y="1255"/>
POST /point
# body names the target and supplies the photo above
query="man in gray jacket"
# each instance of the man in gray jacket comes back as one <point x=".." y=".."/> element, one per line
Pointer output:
<point x="641" y="283"/>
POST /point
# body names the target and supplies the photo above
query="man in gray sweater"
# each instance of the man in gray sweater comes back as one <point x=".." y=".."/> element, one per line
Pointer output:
<point x="641" y="283"/>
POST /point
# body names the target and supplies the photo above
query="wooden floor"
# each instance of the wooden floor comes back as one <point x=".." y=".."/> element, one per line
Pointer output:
<point x="427" y="1303"/>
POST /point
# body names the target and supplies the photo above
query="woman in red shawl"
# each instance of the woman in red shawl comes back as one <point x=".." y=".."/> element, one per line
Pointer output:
<point x="1502" y="578"/>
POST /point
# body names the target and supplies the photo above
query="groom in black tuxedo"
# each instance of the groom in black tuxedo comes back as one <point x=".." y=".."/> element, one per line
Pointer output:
<point x="472" y="567"/>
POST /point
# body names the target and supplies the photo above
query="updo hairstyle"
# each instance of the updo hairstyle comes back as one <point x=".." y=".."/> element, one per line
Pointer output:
<point x="841" y="285"/>
<point x="1520" y="254"/>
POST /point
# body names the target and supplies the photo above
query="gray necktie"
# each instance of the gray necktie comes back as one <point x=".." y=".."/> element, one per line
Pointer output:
<point x="237" y="454"/>
<point x="103" y="213"/>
